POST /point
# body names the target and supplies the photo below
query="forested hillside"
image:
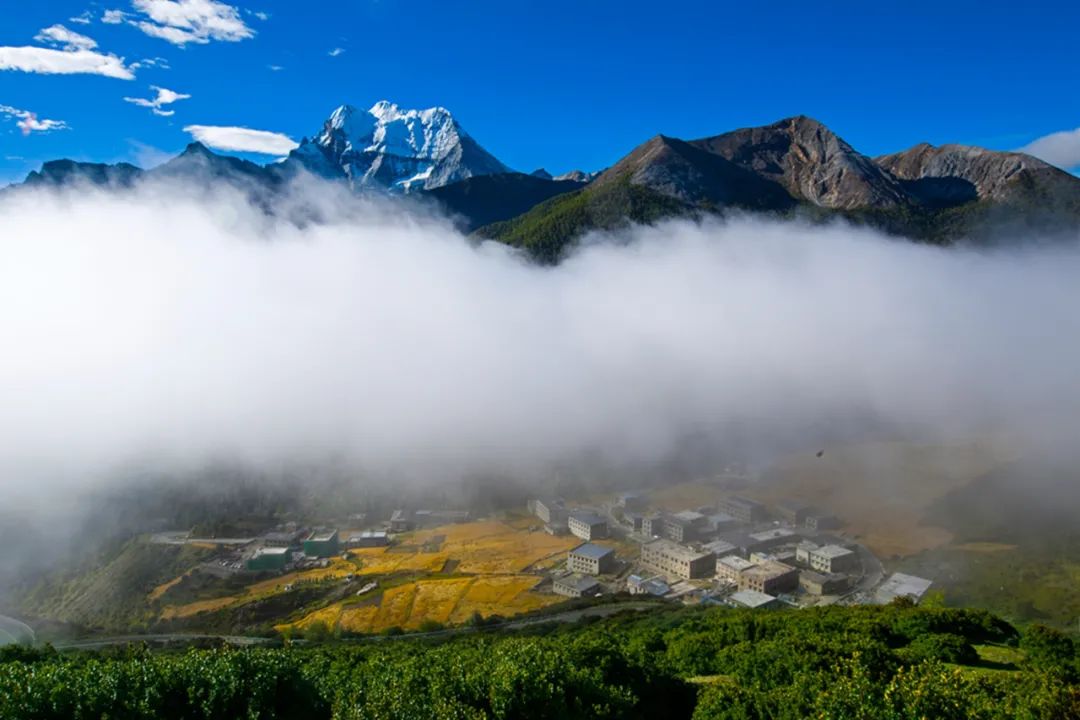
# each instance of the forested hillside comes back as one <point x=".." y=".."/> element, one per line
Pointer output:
<point x="864" y="662"/>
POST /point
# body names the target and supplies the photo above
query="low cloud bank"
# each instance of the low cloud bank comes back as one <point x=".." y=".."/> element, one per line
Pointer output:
<point x="177" y="326"/>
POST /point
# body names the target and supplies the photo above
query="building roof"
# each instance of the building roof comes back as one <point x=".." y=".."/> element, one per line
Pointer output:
<point x="399" y="515"/>
<point x="744" y="502"/>
<point x="322" y="536"/>
<point x="271" y="551"/>
<point x="833" y="551"/>
<point x="720" y="547"/>
<point x="371" y="534"/>
<point x="751" y="598"/>
<point x="581" y="583"/>
<point x="735" y="562"/>
<point x="769" y="569"/>
<point x="680" y="552"/>
<point x="900" y="585"/>
<point x="688" y="516"/>
<point x="592" y="552"/>
<point x="588" y="518"/>
<point x="773" y="534"/>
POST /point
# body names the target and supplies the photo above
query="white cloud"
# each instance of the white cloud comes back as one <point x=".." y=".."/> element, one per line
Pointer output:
<point x="63" y="62"/>
<point x="84" y="19"/>
<point x="276" y="68"/>
<point x="241" y="139"/>
<point x="154" y="62"/>
<point x="164" y="97"/>
<point x="190" y="21"/>
<point x="58" y="35"/>
<point x="1060" y="148"/>
<point x="114" y="17"/>
<point x="336" y="51"/>
<point x="29" y="122"/>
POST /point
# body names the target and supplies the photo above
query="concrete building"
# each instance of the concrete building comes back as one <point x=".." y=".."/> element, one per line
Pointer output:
<point x="754" y="600"/>
<point x="400" y="521"/>
<point x="817" y="520"/>
<point x="902" y="585"/>
<point x="771" y="538"/>
<point x="587" y="525"/>
<point x="833" y="559"/>
<point x="818" y="584"/>
<point x="731" y="567"/>
<point x="655" y="586"/>
<point x="792" y="512"/>
<point x="322" y="544"/>
<point x="576" y="586"/>
<point x="718" y="522"/>
<point x="678" y="560"/>
<point x="550" y="510"/>
<point x="368" y="538"/>
<point x="803" y="550"/>
<point x="634" y="501"/>
<point x="652" y="525"/>
<point x="634" y="520"/>
<point x="282" y="538"/>
<point x="684" y="526"/>
<point x="591" y="559"/>
<point x="743" y="509"/>
<point x="269" y="558"/>
<point x="721" y="548"/>
<point x="770" y="577"/>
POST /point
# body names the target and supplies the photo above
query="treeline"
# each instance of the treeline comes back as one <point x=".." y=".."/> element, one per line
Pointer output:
<point x="703" y="664"/>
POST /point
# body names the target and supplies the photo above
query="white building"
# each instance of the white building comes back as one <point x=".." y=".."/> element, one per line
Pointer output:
<point x="587" y="526"/>
<point x="833" y="559"/>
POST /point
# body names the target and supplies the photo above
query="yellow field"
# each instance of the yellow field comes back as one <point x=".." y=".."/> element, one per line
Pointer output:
<point x="505" y="595"/>
<point x="492" y="554"/>
<point x="379" y="561"/>
<point x="181" y="611"/>
<point x="494" y="547"/>
<point x="448" y="601"/>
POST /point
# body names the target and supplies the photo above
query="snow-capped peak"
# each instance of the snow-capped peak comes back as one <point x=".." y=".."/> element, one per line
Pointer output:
<point x="390" y="145"/>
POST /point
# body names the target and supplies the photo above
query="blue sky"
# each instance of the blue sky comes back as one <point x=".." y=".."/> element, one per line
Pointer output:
<point x="556" y="84"/>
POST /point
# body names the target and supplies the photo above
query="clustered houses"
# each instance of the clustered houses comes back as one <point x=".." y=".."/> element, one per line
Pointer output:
<point x="591" y="559"/>
<point x="673" y="559"/>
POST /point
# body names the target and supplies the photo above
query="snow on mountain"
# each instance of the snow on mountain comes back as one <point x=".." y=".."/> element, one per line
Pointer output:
<point x="391" y="147"/>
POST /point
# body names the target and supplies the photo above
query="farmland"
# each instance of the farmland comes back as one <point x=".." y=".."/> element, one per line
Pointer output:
<point x="443" y="575"/>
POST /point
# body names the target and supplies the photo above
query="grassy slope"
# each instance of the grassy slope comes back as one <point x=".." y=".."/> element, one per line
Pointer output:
<point x="547" y="230"/>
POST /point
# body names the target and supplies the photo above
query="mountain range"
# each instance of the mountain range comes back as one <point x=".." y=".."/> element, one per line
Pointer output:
<point x="794" y="167"/>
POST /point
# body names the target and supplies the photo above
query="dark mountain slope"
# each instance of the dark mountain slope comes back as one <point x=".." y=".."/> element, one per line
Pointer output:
<point x="486" y="199"/>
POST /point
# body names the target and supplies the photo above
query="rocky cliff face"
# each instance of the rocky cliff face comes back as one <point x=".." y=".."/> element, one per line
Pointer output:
<point x="811" y="162"/>
<point x="952" y="174"/>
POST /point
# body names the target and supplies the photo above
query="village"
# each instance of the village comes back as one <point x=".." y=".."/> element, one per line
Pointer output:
<point x="418" y="568"/>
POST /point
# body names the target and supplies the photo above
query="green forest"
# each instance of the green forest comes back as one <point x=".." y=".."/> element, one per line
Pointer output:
<point x="898" y="661"/>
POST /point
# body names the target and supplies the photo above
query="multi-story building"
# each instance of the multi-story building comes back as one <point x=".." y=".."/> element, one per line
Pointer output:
<point x="771" y="538"/>
<point x="731" y="567"/>
<point x="743" y="509"/>
<point x="400" y="521"/>
<point x="770" y="577"/>
<point x="587" y="526"/>
<point x="684" y="526"/>
<point x="792" y="512"/>
<point x="591" y="559"/>
<point x="819" y="584"/>
<point x="833" y="559"/>
<point x="822" y="521"/>
<point x="550" y="511"/>
<point x="652" y="525"/>
<point x="678" y="560"/>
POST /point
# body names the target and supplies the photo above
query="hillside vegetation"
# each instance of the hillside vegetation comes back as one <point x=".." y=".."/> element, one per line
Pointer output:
<point x="868" y="662"/>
